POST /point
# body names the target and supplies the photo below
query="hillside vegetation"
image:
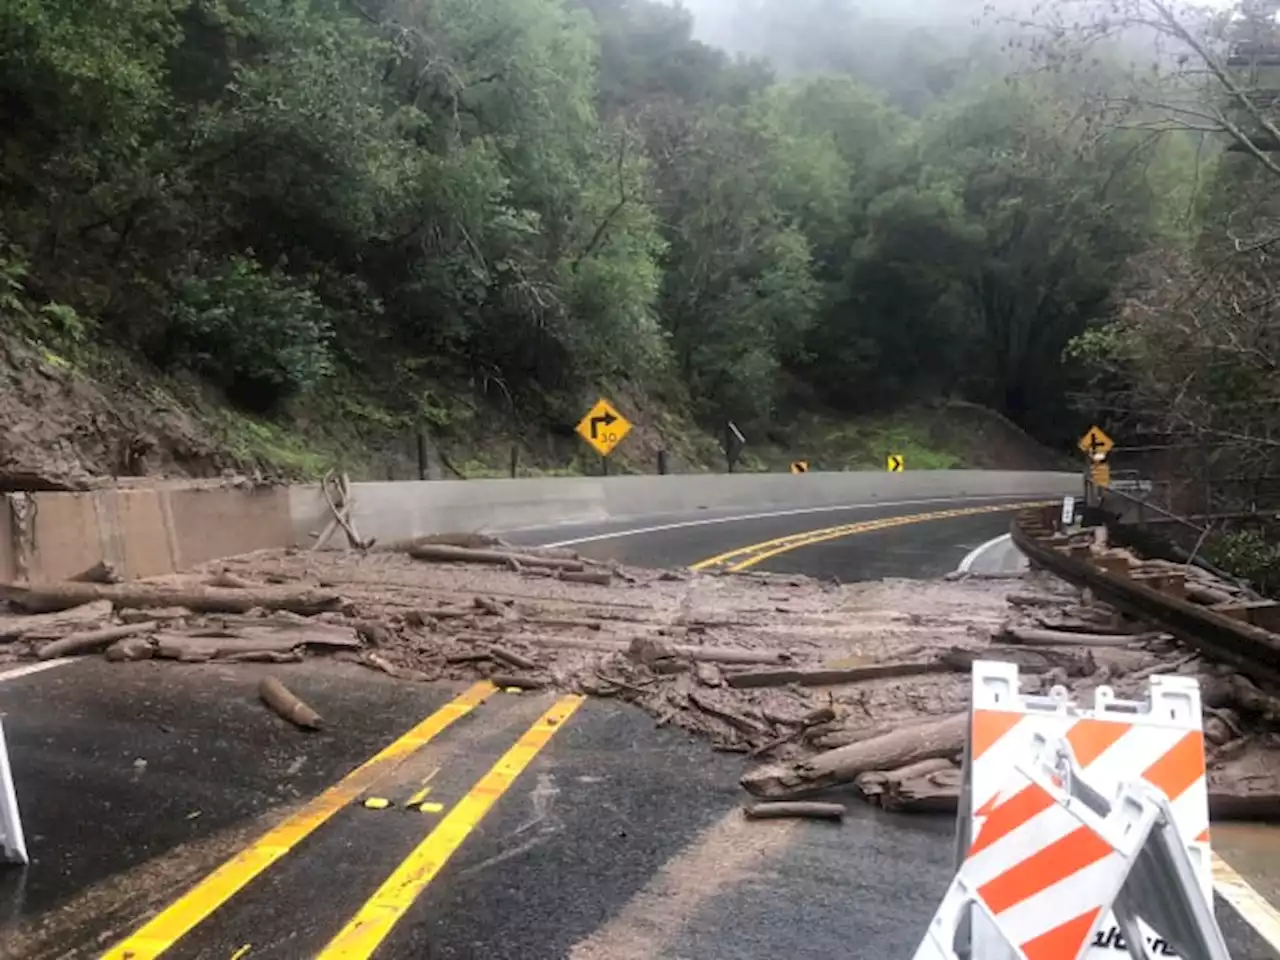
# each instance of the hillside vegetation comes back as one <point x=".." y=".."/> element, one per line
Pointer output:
<point x="307" y="229"/>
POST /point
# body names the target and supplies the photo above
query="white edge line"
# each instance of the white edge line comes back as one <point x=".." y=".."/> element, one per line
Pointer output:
<point x="1252" y="906"/>
<point x="972" y="556"/>
<point x="796" y="512"/>
<point x="27" y="669"/>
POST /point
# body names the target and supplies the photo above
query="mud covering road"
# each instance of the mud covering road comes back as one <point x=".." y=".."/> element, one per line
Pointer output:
<point x="619" y="840"/>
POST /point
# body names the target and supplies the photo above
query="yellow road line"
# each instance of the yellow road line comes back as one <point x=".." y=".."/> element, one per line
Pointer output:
<point x="371" y="924"/>
<point x="741" y="558"/>
<point x="176" y="920"/>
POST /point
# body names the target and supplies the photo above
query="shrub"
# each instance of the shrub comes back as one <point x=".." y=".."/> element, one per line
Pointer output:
<point x="259" y="335"/>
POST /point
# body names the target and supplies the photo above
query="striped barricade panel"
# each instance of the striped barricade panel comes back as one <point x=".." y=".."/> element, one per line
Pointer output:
<point x="1158" y="740"/>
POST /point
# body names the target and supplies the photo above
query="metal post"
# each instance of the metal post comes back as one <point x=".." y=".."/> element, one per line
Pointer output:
<point x="424" y="471"/>
<point x="662" y="463"/>
<point x="515" y="461"/>
<point x="604" y="466"/>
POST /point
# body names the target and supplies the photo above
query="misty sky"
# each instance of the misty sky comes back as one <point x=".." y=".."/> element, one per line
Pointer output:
<point x="776" y="26"/>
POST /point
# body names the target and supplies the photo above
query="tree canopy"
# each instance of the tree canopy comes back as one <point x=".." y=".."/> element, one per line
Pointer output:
<point x="530" y="198"/>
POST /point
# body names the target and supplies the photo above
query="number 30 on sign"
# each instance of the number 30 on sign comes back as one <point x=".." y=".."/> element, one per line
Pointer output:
<point x="603" y="427"/>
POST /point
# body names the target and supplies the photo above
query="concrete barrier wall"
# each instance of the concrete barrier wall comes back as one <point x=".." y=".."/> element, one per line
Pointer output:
<point x="143" y="532"/>
<point x="148" y="531"/>
<point x="401" y="511"/>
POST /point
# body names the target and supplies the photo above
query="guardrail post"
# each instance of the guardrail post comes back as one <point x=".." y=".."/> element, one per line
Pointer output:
<point x="662" y="463"/>
<point x="515" y="461"/>
<point x="424" y="467"/>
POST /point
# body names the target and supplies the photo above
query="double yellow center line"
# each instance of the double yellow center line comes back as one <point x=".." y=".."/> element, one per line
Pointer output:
<point x="742" y="558"/>
<point x="371" y="924"/>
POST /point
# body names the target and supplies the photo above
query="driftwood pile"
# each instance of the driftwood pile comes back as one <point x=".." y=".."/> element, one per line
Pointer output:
<point x="814" y="681"/>
<point x="1061" y="638"/>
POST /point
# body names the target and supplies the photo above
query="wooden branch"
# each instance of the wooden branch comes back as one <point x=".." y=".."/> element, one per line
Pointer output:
<point x="819" y="677"/>
<point x="91" y="640"/>
<point x="811" y="810"/>
<point x="282" y="700"/>
<point x="599" y="578"/>
<point x="61" y="596"/>
<point x="442" y="553"/>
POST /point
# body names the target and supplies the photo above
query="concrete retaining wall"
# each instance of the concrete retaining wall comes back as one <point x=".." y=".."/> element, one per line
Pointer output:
<point x="147" y="531"/>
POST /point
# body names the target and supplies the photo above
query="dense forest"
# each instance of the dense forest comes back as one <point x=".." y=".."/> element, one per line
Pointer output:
<point x="531" y="200"/>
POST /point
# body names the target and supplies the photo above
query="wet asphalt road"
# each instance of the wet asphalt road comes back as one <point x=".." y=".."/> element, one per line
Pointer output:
<point x="620" y="841"/>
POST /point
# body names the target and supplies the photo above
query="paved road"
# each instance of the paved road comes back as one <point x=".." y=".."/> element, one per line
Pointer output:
<point x="926" y="548"/>
<point x="607" y="839"/>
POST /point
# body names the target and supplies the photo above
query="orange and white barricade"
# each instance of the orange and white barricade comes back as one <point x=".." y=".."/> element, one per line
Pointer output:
<point x="1070" y="817"/>
<point x="12" y="842"/>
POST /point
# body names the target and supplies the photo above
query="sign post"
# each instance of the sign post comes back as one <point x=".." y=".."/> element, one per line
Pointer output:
<point x="734" y="441"/>
<point x="603" y="428"/>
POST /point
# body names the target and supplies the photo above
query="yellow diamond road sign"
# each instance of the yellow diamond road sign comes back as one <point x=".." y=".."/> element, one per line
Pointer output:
<point x="1096" y="444"/>
<point x="603" y="427"/>
<point x="895" y="463"/>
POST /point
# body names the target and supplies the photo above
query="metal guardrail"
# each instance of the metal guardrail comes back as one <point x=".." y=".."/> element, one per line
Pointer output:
<point x="1253" y="651"/>
<point x="1142" y="513"/>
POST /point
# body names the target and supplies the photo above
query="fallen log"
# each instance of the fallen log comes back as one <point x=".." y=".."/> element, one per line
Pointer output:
<point x="811" y="810"/>
<point x="648" y="650"/>
<point x="12" y="628"/>
<point x="1206" y="595"/>
<point x="61" y="596"/>
<point x="1084" y="627"/>
<point x="283" y="701"/>
<point x="819" y="677"/>
<point x="91" y="640"/>
<point x="1031" y="637"/>
<point x="940" y="793"/>
<point x="1038" y="661"/>
<point x="442" y="553"/>
<point x="942" y="738"/>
